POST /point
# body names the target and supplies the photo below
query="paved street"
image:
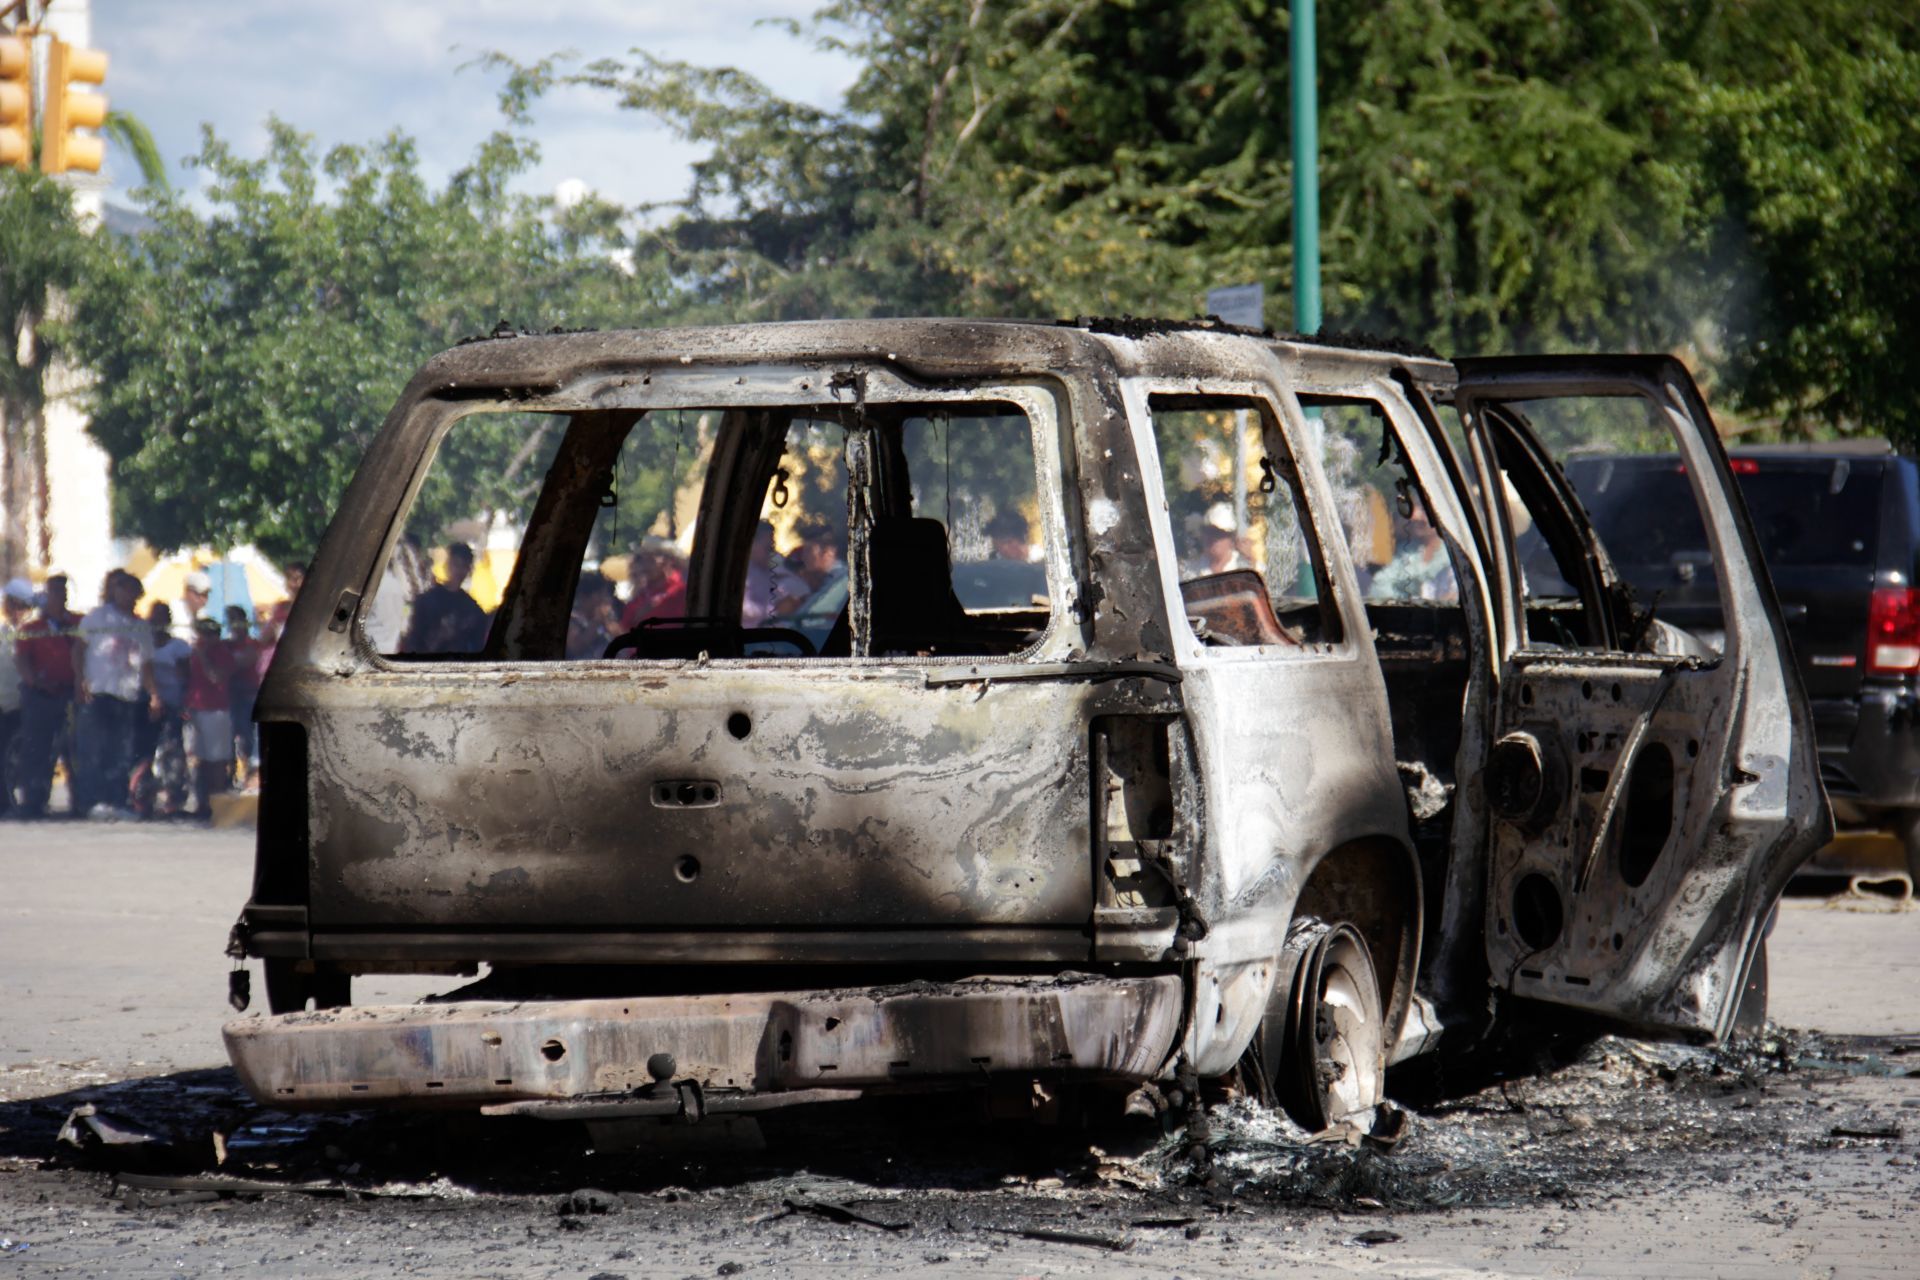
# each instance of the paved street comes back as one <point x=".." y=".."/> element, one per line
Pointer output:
<point x="111" y="968"/>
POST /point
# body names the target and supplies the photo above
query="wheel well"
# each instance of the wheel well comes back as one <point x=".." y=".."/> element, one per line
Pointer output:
<point x="1374" y="884"/>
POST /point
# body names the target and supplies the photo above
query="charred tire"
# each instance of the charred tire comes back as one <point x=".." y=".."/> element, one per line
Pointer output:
<point x="291" y="991"/>
<point x="1331" y="1059"/>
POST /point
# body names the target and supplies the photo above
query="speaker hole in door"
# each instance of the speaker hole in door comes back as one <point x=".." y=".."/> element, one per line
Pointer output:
<point x="1537" y="915"/>
<point x="1648" y="817"/>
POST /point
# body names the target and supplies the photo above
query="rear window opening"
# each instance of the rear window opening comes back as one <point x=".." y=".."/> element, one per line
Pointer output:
<point x="1823" y="512"/>
<point x="896" y="530"/>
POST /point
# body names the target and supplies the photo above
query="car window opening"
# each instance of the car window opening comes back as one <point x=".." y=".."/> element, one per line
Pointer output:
<point x="887" y="530"/>
<point x="1251" y="571"/>
<point x="1653" y="532"/>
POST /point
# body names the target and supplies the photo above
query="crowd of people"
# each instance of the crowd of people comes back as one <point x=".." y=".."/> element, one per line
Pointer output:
<point x="777" y="585"/>
<point x="150" y="714"/>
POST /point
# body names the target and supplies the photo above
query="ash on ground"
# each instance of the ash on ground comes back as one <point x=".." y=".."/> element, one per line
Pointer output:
<point x="1572" y="1120"/>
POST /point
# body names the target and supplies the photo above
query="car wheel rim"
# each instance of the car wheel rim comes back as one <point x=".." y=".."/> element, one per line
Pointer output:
<point x="1339" y="1041"/>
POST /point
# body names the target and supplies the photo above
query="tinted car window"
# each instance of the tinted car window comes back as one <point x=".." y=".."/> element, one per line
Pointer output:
<point x="1803" y="519"/>
<point x="1803" y="514"/>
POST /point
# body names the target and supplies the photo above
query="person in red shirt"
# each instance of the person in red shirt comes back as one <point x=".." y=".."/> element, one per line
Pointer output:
<point x="210" y="670"/>
<point x="248" y="660"/>
<point x="46" y="654"/>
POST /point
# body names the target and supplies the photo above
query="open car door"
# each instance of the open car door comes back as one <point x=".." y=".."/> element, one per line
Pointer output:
<point x="1651" y="796"/>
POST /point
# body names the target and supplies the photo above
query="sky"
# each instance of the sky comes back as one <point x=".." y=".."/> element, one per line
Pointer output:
<point x="350" y="70"/>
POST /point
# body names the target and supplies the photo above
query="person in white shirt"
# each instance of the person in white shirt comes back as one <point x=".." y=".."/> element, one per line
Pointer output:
<point x="116" y="669"/>
<point x="16" y="602"/>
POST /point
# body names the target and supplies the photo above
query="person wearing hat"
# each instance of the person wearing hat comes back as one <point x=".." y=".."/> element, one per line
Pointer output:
<point x="45" y="654"/>
<point x="16" y="602"/>
<point x="193" y="598"/>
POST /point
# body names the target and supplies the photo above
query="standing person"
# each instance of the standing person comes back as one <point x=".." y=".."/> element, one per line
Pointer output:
<point x="659" y="581"/>
<point x="445" y="618"/>
<point x="275" y="622"/>
<point x="273" y="617"/>
<point x="116" y="670"/>
<point x="161" y="749"/>
<point x="408" y="575"/>
<point x="759" y="598"/>
<point x="809" y="566"/>
<point x="194" y="593"/>
<point x="47" y="657"/>
<point x="169" y="678"/>
<point x="595" y="618"/>
<point x="1011" y="536"/>
<point x="243" y="685"/>
<point x="210" y="674"/>
<point x="16" y="603"/>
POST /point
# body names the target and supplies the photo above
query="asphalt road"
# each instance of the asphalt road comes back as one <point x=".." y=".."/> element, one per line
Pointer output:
<point x="111" y="970"/>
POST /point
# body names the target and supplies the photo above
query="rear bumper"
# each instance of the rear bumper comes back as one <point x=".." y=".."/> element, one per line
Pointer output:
<point x="669" y="1054"/>
<point x="1870" y="747"/>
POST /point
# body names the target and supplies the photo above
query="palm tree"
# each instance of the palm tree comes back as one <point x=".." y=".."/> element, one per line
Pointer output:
<point x="137" y="141"/>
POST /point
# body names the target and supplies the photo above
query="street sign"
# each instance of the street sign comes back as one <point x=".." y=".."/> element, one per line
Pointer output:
<point x="1241" y="304"/>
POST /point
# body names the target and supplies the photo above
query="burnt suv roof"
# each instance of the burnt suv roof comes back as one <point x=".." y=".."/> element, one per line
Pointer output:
<point x="1348" y="340"/>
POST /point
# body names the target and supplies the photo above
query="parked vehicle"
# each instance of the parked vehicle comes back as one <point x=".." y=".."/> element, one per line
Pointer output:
<point x="1272" y="764"/>
<point x="1839" y="528"/>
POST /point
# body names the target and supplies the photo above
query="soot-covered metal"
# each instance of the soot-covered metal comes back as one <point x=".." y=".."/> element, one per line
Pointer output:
<point x="1085" y="838"/>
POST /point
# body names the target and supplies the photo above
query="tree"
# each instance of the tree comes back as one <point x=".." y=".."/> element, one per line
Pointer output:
<point x="132" y="136"/>
<point x="244" y="358"/>
<point x="42" y="252"/>
<point x="1497" y="175"/>
<point x="1816" y="161"/>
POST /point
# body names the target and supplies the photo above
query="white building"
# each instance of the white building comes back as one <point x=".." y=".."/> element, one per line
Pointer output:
<point x="74" y="532"/>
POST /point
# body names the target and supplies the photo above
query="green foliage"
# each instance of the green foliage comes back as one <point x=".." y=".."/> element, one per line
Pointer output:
<point x="245" y="357"/>
<point x="133" y="137"/>
<point x="41" y="253"/>
<point x="1736" y="177"/>
<point x="1512" y="177"/>
<point x="1499" y="175"/>
<point x="1817" y="162"/>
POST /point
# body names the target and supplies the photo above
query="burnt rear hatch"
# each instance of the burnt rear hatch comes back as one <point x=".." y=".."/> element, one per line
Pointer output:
<point x="756" y="765"/>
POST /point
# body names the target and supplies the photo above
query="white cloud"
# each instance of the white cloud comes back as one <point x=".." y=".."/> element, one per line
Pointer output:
<point x="351" y="70"/>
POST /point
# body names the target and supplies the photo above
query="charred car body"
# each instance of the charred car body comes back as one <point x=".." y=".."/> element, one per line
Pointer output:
<point x="1281" y="771"/>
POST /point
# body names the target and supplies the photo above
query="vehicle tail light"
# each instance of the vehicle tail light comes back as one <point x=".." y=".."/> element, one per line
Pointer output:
<point x="1893" y="631"/>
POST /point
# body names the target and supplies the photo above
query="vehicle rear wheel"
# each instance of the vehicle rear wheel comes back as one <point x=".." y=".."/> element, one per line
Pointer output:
<point x="1332" y="1049"/>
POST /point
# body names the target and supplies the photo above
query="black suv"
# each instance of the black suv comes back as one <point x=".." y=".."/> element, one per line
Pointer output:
<point x="1839" y="525"/>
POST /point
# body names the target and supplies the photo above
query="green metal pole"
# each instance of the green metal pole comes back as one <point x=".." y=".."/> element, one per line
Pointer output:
<point x="1306" y="171"/>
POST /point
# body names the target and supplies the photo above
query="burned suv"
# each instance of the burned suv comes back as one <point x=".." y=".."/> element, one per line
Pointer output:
<point x="1260" y="755"/>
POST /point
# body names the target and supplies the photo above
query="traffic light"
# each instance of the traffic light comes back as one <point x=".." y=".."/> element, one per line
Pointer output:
<point x="68" y="109"/>
<point x="16" y="103"/>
